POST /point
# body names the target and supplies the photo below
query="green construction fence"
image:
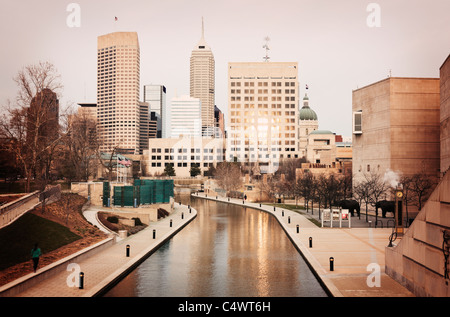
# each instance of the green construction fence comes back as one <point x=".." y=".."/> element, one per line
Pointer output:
<point x="143" y="192"/>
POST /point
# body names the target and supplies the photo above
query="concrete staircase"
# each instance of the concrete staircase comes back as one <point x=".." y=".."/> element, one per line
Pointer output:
<point x="420" y="260"/>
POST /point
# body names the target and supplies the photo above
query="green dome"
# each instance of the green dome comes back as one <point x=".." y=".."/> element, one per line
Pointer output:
<point x="306" y="113"/>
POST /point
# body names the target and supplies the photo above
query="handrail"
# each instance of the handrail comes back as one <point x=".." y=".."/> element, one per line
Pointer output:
<point x="18" y="202"/>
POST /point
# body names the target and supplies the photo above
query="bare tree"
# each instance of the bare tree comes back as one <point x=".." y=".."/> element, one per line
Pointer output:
<point x="345" y="185"/>
<point x="81" y="146"/>
<point x="269" y="186"/>
<point x="304" y="187"/>
<point x="361" y="192"/>
<point x="330" y="188"/>
<point x="31" y="123"/>
<point x="288" y="167"/>
<point x="420" y="186"/>
<point x="108" y="160"/>
<point x="377" y="187"/>
<point x="370" y="190"/>
<point x="228" y="176"/>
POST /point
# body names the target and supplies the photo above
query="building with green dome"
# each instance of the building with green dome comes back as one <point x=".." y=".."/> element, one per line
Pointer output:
<point x="308" y="122"/>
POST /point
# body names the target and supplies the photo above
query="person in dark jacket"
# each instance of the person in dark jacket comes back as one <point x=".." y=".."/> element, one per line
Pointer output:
<point x="35" y="254"/>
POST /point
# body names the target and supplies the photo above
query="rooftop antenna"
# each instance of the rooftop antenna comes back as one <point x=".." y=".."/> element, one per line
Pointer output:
<point x="266" y="47"/>
<point x="203" y="29"/>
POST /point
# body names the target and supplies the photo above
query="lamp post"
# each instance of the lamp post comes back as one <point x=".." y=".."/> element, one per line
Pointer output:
<point x="399" y="211"/>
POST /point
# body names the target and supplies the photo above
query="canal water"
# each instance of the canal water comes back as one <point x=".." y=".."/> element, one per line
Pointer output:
<point x="226" y="251"/>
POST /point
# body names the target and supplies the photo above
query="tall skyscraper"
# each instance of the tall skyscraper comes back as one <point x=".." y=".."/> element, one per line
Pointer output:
<point x="202" y="83"/>
<point x="43" y="118"/>
<point x="263" y="113"/>
<point x="155" y="96"/>
<point x="118" y="77"/>
<point x="144" y="126"/>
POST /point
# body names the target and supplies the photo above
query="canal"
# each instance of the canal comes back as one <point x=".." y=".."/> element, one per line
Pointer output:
<point x="226" y="251"/>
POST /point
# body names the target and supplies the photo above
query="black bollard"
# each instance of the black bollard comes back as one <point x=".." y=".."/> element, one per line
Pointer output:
<point x="331" y="264"/>
<point x="274" y="208"/>
<point x="289" y="219"/>
<point x="182" y="215"/>
<point x="259" y="205"/>
<point x="179" y="203"/>
<point x="298" y="228"/>
<point x="243" y="202"/>
<point x="128" y="250"/>
<point x="282" y="213"/>
<point x="170" y="223"/>
<point x="228" y="198"/>
<point x="310" y="242"/>
<point x="81" y="285"/>
<point x="154" y="233"/>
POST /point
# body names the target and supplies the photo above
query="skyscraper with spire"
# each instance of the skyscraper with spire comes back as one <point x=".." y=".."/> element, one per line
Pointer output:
<point x="202" y="81"/>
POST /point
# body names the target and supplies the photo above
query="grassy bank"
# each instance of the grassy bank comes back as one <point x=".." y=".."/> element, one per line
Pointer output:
<point x="19" y="238"/>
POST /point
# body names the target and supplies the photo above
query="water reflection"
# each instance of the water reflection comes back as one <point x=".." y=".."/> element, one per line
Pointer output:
<point x="226" y="251"/>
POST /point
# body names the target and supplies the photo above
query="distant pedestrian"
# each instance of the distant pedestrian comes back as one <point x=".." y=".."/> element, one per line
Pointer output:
<point x="245" y="197"/>
<point x="35" y="254"/>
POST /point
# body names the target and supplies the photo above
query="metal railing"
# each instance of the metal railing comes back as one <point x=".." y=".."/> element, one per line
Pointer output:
<point x="11" y="211"/>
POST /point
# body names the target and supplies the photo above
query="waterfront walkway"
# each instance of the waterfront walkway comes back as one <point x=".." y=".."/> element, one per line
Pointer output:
<point x="358" y="252"/>
<point x="102" y="268"/>
<point x="354" y="251"/>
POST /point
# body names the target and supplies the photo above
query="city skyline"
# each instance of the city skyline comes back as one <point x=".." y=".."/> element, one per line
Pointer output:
<point x="336" y="49"/>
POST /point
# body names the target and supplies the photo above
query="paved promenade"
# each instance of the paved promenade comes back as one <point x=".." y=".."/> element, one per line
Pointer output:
<point x="358" y="252"/>
<point x="109" y="264"/>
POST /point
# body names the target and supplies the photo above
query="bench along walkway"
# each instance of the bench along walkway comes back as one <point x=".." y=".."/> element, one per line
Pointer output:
<point x="358" y="254"/>
<point x="103" y="268"/>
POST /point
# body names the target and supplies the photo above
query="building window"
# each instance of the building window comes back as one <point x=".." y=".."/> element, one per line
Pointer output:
<point x="357" y="122"/>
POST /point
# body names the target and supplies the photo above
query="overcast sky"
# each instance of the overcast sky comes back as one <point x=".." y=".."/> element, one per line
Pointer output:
<point x="336" y="49"/>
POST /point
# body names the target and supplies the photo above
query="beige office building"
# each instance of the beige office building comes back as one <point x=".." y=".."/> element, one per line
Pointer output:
<point x="396" y="127"/>
<point x="118" y="69"/>
<point x="183" y="153"/>
<point x="262" y="113"/>
<point x="202" y="82"/>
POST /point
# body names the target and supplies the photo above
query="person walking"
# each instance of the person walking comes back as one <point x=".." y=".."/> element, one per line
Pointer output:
<point x="35" y="254"/>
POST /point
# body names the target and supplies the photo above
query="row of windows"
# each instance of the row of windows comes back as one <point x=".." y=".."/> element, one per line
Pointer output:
<point x="245" y="157"/>
<point x="172" y="150"/>
<point x="262" y="91"/>
<point x="182" y="164"/>
<point x="272" y="141"/>
<point x="287" y="149"/>
<point x="263" y="106"/>
<point x="262" y="98"/>
<point x="262" y="113"/>
<point x="185" y="157"/>
<point x="262" y="84"/>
